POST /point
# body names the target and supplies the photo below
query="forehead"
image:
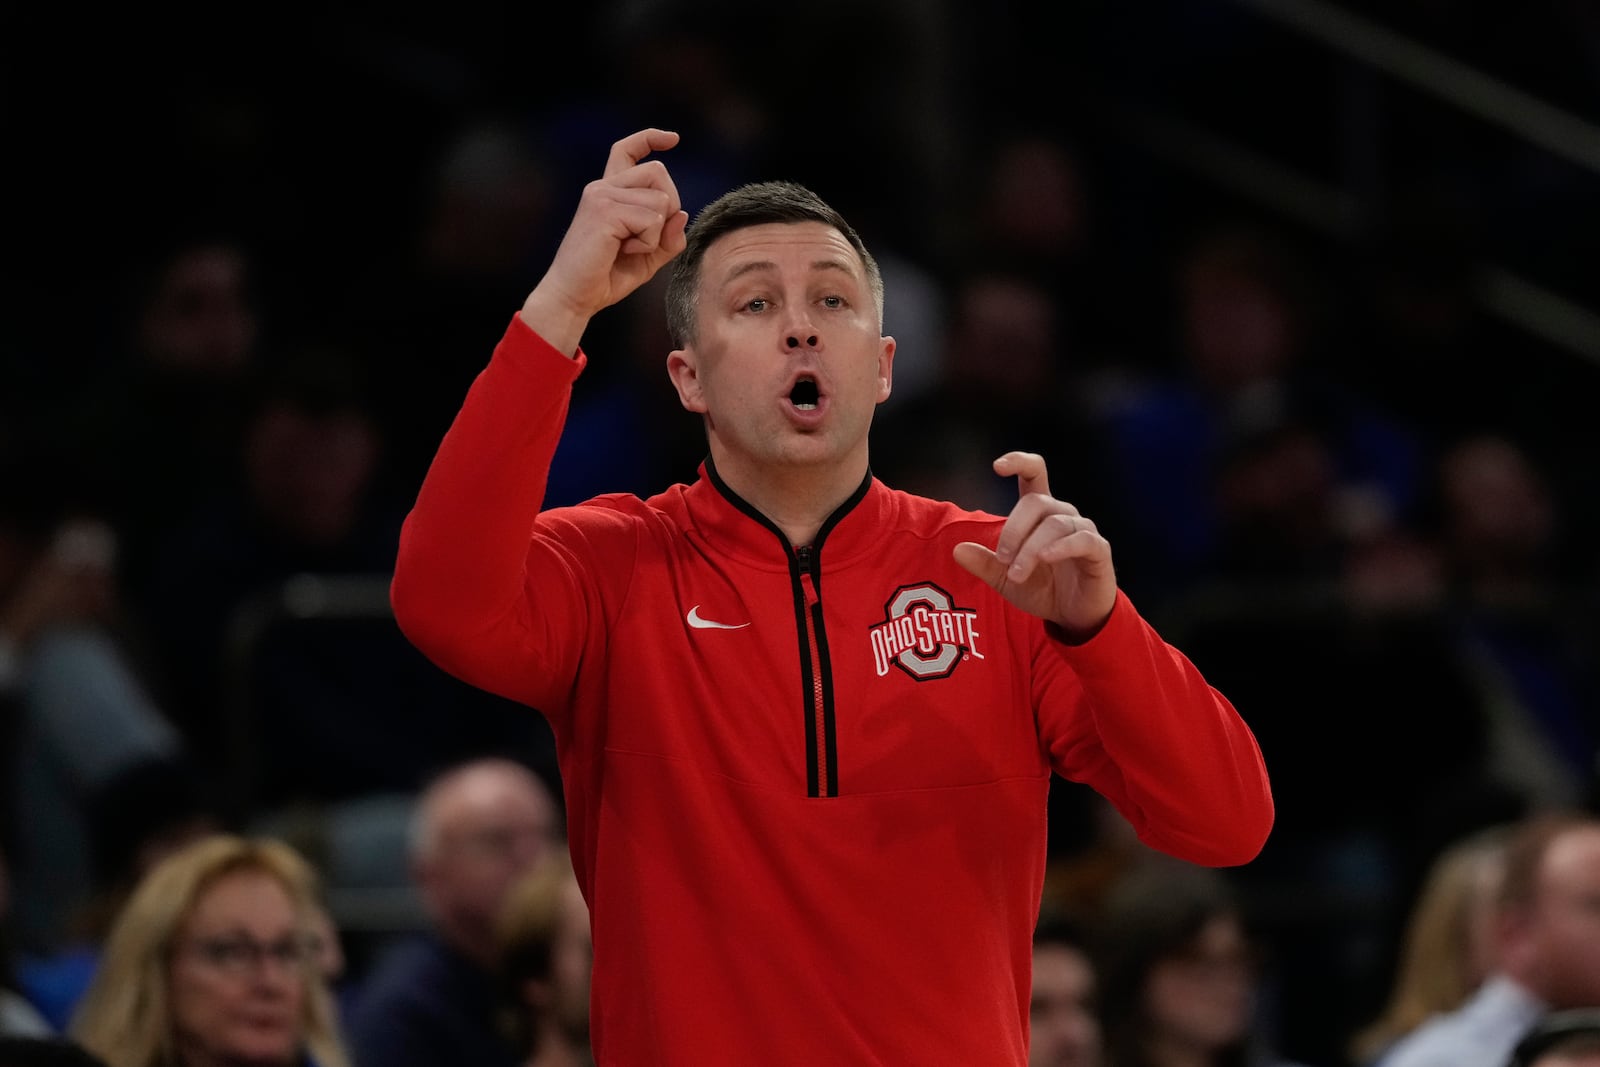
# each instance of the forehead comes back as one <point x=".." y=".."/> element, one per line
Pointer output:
<point x="488" y="793"/>
<point x="1061" y="968"/>
<point x="778" y="246"/>
<point x="241" y="898"/>
<point x="1573" y="861"/>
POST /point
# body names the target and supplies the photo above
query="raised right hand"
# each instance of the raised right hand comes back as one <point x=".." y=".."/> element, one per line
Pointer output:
<point x="629" y="223"/>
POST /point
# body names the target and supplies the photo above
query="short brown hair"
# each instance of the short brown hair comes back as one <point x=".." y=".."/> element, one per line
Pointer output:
<point x="755" y="204"/>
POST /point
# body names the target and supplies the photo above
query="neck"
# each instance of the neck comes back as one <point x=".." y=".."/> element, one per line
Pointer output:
<point x="190" y="1054"/>
<point x="798" y="499"/>
<point x="555" y="1052"/>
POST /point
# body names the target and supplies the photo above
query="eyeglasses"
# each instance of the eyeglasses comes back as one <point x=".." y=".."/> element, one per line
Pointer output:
<point x="242" y="955"/>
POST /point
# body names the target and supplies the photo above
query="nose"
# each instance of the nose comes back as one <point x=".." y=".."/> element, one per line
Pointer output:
<point x="276" y="978"/>
<point x="794" y="341"/>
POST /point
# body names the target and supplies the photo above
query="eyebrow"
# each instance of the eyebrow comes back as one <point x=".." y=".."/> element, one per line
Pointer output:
<point x="230" y="932"/>
<point x="761" y="265"/>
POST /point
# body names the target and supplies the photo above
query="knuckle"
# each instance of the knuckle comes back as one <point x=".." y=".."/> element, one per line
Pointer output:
<point x="1063" y="523"/>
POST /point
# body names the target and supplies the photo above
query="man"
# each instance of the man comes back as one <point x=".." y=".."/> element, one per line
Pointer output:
<point x="806" y="723"/>
<point x="477" y="829"/>
<point x="1063" y="1028"/>
<point x="1547" y="933"/>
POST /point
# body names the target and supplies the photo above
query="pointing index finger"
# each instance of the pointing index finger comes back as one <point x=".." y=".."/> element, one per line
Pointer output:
<point x="636" y="146"/>
<point x="1029" y="470"/>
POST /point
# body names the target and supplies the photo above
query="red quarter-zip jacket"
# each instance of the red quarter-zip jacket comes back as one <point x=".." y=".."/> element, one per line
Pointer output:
<point x="806" y="789"/>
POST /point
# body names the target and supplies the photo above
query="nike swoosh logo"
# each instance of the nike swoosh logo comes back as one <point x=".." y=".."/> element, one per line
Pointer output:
<point x="706" y="624"/>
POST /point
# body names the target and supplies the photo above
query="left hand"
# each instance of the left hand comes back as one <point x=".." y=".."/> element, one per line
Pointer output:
<point x="1050" y="561"/>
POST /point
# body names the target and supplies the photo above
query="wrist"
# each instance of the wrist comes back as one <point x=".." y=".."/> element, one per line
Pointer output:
<point x="555" y="321"/>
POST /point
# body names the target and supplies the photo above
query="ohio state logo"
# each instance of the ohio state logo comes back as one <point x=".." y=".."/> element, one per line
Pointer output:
<point x="923" y="633"/>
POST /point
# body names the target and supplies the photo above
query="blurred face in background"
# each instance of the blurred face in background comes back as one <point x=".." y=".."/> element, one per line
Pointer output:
<point x="1239" y="325"/>
<point x="201" y="316"/>
<point x="1202" y="998"/>
<point x="1064" y="1031"/>
<point x="238" y="973"/>
<point x="1558" y="943"/>
<point x="309" y="470"/>
<point x="489" y="824"/>
<point x="1499" y="510"/>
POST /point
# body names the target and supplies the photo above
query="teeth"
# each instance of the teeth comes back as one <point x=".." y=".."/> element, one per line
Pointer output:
<point x="806" y="407"/>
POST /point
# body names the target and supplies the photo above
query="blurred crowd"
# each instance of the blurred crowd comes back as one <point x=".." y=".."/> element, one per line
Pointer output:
<point x="250" y="301"/>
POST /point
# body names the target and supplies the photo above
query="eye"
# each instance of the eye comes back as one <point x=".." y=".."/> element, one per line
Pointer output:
<point x="833" y="302"/>
<point x="758" y="304"/>
<point x="225" y="953"/>
<point x="291" y="952"/>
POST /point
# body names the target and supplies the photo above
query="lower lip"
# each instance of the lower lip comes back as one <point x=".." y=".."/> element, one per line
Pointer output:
<point x="803" y="417"/>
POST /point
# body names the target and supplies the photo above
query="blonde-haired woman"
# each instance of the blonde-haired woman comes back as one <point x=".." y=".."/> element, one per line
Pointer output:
<point x="1447" y="947"/>
<point x="215" y="961"/>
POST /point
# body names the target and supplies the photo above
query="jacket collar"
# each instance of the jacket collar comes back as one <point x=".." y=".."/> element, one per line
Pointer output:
<point x="732" y="524"/>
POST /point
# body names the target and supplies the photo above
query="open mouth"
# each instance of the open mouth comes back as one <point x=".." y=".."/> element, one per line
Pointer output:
<point x="804" y="395"/>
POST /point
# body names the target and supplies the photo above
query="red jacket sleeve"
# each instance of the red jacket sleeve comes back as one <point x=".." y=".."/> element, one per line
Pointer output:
<point x="474" y="545"/>
<point x="1133" y="718"/>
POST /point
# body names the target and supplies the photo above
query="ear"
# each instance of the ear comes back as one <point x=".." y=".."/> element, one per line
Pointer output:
<point x="683" y="369"/>
<point x="885" y="367"/>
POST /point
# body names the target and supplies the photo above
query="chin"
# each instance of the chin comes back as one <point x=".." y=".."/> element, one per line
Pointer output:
<point x="261" y="1050"/>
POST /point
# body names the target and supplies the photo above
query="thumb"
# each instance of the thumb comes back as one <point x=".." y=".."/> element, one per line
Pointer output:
<point x="981" y="562"/>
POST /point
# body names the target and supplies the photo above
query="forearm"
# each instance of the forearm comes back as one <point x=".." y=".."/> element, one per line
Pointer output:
<point x="464" y="545"/>
<point x="1168" y="750"/>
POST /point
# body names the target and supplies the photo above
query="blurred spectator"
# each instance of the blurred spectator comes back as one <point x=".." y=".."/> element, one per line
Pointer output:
<point x="1179" y="972"/>
<point x="1447" y="946"/>
<point x="1006" y="381"/>
<point x="1523" y="621"/>
<point x="152" y="427"/>
<point x="1249" y="348"/>
<point x="137" y="819"/>
<point x="305" y="500"/>
<point x="214" y="960"/>
<point x="1036" y="211"/>
<point x="1331" y="691"/>
<point x="543" y="959"/>
<point x="431" y="999"/>
<point x="1287" y="523"/>
<point x="481" y="218"/>
<point x="313" y="701"/>
<point x="1063" y="1025"/>
<point x="1547" y="948"/>
<point x="78" y="708"/>
<point x="1276" y="491"/>
<point x="1033" y="206"/>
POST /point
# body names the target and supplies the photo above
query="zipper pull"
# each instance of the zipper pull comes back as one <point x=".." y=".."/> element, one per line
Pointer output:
<point x="807" y="584"/>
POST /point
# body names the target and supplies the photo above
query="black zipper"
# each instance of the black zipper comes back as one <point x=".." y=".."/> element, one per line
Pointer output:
<point x="816" y="669"/>
<point x="822" y="767"/>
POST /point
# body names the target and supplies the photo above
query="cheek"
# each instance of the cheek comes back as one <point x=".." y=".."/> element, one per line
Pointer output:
<point x="197" y="1002"/>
